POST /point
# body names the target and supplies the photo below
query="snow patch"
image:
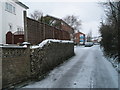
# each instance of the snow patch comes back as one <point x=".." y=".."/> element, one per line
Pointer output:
<point x="25" y="43"/>
<point x="43" y="43"/>
<point x="12" y="46"/>
<point x="115" y="63"/>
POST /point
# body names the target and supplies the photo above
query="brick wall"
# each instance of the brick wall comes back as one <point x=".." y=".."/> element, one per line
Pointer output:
<point x="37" y="32"/>
<point x="15" y="65"/>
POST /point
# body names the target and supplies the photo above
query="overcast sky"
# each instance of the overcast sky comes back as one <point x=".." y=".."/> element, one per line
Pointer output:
<point x="90" y="12"/>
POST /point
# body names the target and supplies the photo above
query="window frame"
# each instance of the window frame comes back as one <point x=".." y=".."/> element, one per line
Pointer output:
<point x="10" y="8"/>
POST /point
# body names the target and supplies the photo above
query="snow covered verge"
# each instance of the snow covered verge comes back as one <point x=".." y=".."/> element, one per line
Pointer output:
<point x="43" y="43"/>
<point x="114" y="62"/>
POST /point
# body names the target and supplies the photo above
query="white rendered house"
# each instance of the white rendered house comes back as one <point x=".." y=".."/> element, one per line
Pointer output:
<point x="11" y="17"/>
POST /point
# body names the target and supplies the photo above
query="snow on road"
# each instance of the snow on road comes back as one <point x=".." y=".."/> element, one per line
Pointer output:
<point x="87" y="69"/>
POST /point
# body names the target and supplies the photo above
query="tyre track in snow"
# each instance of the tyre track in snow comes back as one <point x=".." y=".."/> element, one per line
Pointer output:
<point x="66" y="80"/>
<point x="102" y="76"/>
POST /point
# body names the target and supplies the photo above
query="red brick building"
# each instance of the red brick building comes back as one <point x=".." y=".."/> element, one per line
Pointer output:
<point x="79" y="38"/>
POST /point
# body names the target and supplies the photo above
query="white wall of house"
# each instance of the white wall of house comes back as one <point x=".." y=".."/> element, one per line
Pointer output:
<point x="11" y="21"/>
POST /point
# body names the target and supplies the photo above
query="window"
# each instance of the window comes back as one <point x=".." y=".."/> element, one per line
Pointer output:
<point x="14" y="10"/>
<point x="10" y="8"/>
<point x="6" y="6"/>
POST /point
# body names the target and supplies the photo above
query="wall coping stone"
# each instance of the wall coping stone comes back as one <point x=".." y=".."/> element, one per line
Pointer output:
<point x="18" y="47"/>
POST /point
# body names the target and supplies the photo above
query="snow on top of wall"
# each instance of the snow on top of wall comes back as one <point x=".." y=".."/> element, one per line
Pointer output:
<point x="49" y="41"/>
<point x="25" y="43"/>
<point x="13" y="46"/>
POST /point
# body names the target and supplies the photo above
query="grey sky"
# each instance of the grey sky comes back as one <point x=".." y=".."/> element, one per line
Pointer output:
<point x="89" y="12"/>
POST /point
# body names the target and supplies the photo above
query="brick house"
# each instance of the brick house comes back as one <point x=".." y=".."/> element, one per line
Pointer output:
<point x="79" y="38"/>
<point x="60" y="24"/>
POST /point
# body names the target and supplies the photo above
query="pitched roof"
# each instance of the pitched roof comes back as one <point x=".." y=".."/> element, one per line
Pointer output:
<point x="79" y="33"/>
<point x="59" y="20"/>
<point x="21" y="4"/>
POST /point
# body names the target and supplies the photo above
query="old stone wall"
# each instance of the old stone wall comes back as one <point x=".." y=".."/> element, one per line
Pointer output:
<point x="15" y="65"/>
<point x="51" y="55"/>
<point x="20" y="64"/>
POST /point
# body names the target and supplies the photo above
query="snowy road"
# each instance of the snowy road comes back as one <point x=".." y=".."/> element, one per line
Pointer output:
<point x="87" y="69"/>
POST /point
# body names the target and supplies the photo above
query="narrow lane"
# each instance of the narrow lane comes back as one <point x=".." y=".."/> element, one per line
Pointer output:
<point x="88" y="69"/>
<point x="104" y="74"/>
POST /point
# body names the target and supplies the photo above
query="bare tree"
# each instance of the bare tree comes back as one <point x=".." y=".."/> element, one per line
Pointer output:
<point x="73" y="21"/>
<point x="89" y="36"/>
<point x="36" y="15"/>
<point x="110" y="30"/>
<point x="112" y="11"/>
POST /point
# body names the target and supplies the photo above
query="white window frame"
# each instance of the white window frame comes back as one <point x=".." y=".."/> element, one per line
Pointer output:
<point x="10" y="8"/>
